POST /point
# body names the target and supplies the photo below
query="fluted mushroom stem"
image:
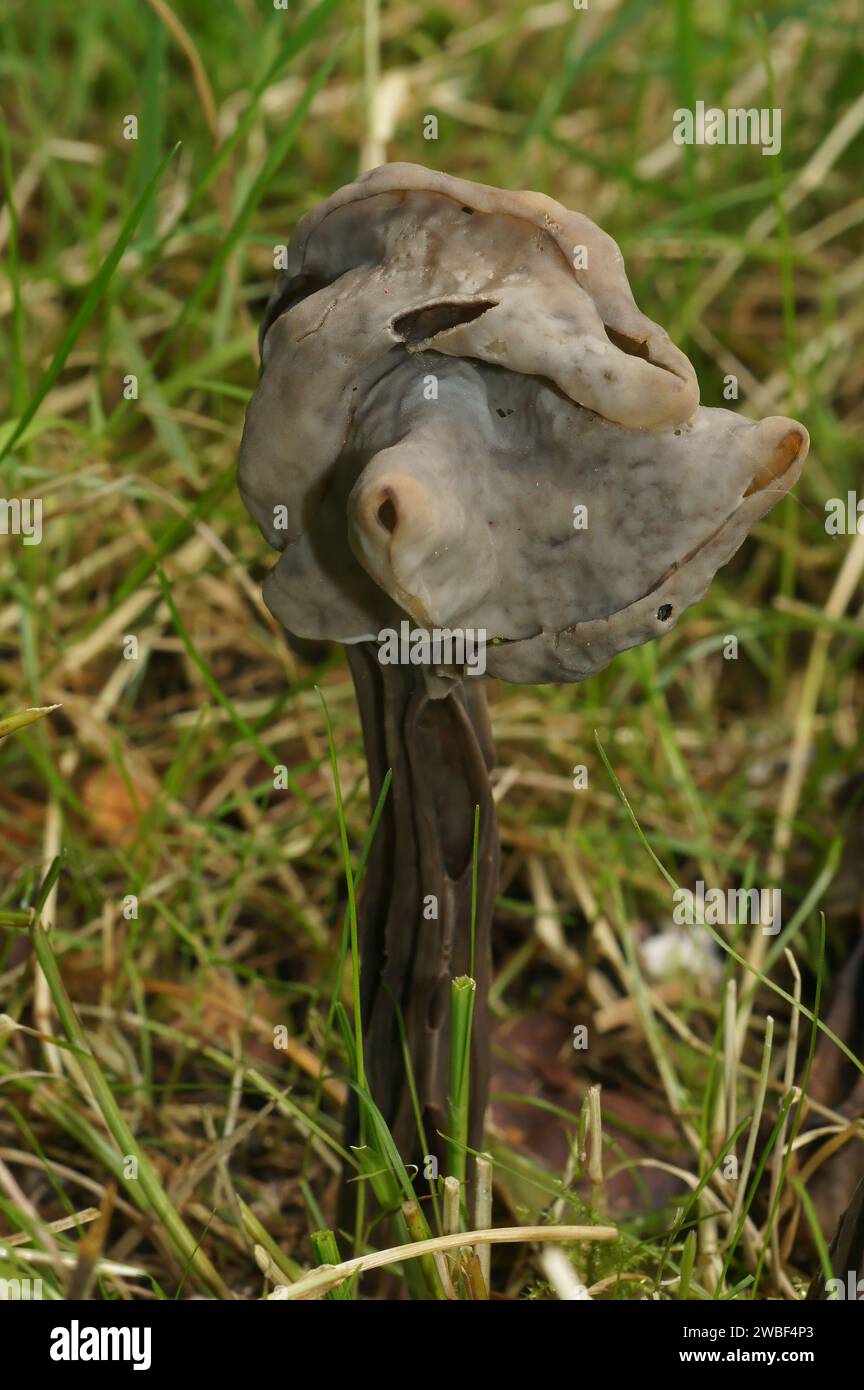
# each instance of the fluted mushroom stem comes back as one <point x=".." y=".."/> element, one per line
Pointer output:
<point x="415" y="907"/>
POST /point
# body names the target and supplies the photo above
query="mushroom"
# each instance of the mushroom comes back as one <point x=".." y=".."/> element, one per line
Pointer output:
<point x="463" y="424"/>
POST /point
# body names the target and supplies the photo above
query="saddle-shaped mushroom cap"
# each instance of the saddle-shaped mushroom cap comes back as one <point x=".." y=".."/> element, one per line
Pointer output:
<point x="463" y="417"/>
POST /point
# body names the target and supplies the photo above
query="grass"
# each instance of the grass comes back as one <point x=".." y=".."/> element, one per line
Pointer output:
<point x="177" y="923"/>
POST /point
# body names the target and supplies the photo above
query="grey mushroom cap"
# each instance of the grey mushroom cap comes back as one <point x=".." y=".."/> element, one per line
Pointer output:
<point x="455" y="424"/>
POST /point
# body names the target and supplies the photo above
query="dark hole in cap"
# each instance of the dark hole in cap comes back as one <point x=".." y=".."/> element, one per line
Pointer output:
<point x="387" y="515"/>
<point x="664" y="612"/>
<point x="634" y="347"/>
<point x="419" y="325"/>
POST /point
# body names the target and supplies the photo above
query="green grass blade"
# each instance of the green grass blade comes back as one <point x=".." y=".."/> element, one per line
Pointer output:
<point x="297" y="40"/>
<point x="723" y="944"/>
<point x="278" y="151"/>
<point x="19" y="377"/>
<point x="815" y="1229"/>
<point x="462" y="992"/>
<point x="326" y="1249"/>
<point x="13" y="722"/>
<point x="147" y="1181"/>
<point x="89" y="304"/>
